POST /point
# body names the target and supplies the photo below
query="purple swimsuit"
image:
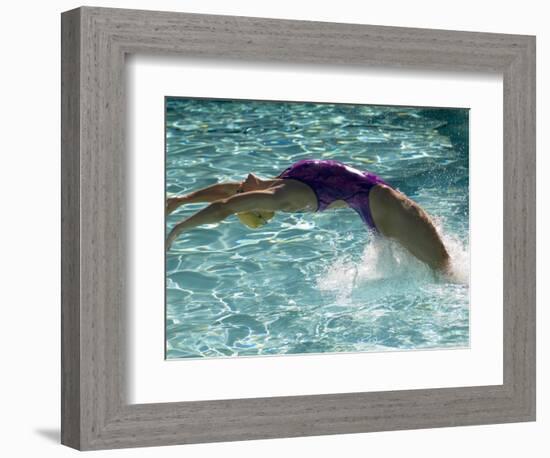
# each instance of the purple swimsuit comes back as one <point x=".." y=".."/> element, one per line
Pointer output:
<point x="332" y="180"/>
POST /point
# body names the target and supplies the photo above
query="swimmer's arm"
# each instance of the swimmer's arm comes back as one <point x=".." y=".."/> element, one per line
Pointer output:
<point x="209" y="194"/>
<point x="274" y="199"/>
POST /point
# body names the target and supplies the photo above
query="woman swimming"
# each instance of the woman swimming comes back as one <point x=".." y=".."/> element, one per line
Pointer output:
<point x="317" y="185"/>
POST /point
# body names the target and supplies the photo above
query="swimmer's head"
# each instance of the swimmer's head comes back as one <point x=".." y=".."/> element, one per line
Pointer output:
<point x="255" y="219"/>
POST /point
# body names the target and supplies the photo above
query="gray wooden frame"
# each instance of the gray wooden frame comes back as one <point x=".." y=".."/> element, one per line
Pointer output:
<point x="95" y="412"/>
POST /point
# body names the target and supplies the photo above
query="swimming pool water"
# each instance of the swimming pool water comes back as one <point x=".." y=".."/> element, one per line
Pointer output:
<point x="313" y="282"/>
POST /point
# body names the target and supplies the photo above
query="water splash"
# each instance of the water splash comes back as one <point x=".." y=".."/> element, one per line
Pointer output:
<point x="460" y="257"/>
<point x="385" y="267"/>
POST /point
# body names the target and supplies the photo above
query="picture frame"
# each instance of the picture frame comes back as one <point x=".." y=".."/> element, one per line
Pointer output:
<point x="95" y="410"/>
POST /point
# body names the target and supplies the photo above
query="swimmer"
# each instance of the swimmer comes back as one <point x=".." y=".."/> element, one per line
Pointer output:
<point x="312" y="185"/>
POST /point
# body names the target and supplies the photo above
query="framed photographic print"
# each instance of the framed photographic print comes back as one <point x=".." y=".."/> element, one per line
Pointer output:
<point x="287" y="228"/>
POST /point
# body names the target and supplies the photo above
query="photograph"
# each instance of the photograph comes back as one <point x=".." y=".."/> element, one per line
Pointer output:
<point x="285" y="225"/>
<point x="296" y="227"/>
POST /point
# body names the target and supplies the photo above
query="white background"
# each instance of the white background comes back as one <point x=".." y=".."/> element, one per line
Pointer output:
<point x="150" y="79"/>
<point x="30" y="227"/>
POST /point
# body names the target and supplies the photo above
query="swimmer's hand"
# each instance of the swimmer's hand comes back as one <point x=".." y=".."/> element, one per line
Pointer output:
<point x="174" y="233"/>
<point x="209" y="194"/>
<point x="214" y="213"/>
<point x="173" y="203"/>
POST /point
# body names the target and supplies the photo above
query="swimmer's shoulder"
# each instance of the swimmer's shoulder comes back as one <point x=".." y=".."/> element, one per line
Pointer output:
<point x="299" y="195"/>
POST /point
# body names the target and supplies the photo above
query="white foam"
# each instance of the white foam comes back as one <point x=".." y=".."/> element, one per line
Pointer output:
<point x="460" y="258"/>
<point x="386" y="261"/>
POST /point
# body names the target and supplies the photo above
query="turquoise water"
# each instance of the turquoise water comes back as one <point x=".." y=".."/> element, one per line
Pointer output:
<point x="313" y="282"/>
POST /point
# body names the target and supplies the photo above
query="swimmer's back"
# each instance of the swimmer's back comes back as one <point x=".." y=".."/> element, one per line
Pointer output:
<point x="333" y="181"/>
